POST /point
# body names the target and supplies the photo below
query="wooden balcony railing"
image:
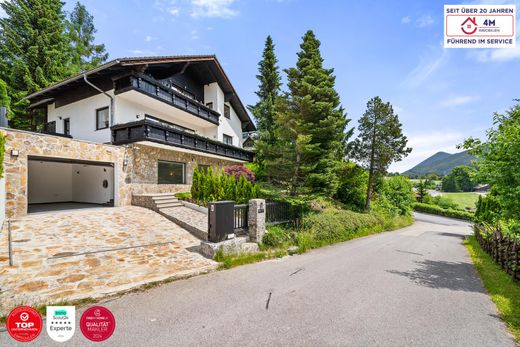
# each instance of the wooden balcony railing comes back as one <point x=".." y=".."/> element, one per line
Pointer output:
<point x="157" y="90"/>
<point x="148" y="130"/>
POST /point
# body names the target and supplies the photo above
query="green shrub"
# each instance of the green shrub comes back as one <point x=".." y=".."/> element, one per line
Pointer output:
<point x="433" y="209"/>
<point x="353" y="180"/>
<point x="396" y="196"/>
<point x="183" y="195"/>
<point x="276" y="236"/>
<point x="208" y="185"/>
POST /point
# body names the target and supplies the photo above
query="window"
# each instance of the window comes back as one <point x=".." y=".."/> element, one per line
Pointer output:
<point x="228" y="140"/>
<point x="227" y="111"/>
<point x="170" y="172"/>
<point x="102" y="118"/>
<point x="209" y="105"/>
<point x="66" y="126"/>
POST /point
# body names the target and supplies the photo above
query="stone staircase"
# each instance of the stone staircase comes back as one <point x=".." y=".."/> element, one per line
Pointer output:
<point x="170" y="207"/>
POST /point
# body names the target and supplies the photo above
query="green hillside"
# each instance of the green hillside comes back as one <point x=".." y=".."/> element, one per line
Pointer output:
<point x="441" y="163"/>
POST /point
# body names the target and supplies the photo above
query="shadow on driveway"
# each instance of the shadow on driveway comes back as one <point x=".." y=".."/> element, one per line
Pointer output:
<point x="443" y="274"/>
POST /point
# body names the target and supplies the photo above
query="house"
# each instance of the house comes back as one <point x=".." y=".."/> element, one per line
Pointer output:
<point x="249" y="139"/>
<point x="130" y="126"/>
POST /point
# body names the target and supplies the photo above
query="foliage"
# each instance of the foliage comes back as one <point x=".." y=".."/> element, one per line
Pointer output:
<point x="276" y="236"/>
<point x="5" y="100"/>
<point x="310" y="129"/>
<point x="499" y="161"/>
<point x="461" y="179"/>
<point x="352" y="185"/>
<point x="422" y="191"/>
<point x="380" y="141"/>
<point x="504" y="291"/>
<point x="238" y="170"/>
<point x="183" y="195"/>
<point x="488" y="208"/>
<point x="208" y="185"/>
<point x="34" y="53"/>
<point x="2" y="153"/>
<point x="80" y="29"/>
<point x="396" y="196"/>
<point x="433" y="209"/>
<point x="257" y="169"/>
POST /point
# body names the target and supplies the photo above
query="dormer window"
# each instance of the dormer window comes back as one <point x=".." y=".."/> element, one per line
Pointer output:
<point x="227" y="111"/>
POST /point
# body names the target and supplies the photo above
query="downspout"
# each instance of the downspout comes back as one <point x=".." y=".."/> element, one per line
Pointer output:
<point x="112" y="105"/>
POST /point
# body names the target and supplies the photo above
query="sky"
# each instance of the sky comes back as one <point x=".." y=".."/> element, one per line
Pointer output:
<point x="388" y="48"/>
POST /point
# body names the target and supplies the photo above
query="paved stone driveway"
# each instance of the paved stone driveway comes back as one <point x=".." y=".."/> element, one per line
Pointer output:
<point x="91" y="253"/>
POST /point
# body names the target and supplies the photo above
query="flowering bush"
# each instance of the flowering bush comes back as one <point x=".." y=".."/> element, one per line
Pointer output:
<point x="239" y="170"/>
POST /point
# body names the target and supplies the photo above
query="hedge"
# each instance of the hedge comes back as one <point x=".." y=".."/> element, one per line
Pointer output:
<point x="433" y="209"/>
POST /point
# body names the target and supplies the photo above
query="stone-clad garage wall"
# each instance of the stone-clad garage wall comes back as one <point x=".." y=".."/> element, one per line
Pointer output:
<point x="35" y="144"/>
<point x="135" y="166"/>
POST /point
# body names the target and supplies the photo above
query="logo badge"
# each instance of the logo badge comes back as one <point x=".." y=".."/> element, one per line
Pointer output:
<point x="97" y="323"/>
<point x="61" y="322"/>
<point x="24" y="324"/>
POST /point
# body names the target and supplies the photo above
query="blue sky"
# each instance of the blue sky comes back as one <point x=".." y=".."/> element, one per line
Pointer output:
<point x="388" y="48"/>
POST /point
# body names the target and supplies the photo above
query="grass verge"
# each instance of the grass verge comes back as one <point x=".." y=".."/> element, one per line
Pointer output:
<point x="463" y="199"/>
<point x="504" y="291"/>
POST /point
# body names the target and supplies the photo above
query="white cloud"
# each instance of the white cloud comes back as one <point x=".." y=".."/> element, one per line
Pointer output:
<point x="149" y="38"/>
<point x="174" y="11"/>
<point x="213" y="8"/>
<point x="424" y="21"/>
<point x="195" y="35"/>
<point x="406" y="20"/>
<point x="136" y="51"/>
<point x="426" y="67"/>
<point x="459" y="100"/>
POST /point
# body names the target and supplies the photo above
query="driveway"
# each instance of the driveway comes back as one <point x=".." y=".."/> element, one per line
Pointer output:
<point x="91" y="253"/>
<point x="415" y="286"/>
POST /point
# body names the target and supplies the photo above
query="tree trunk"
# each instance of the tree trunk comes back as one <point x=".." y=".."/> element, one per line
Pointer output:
<point x="371" y="169"/>
<point x="295" y="176"/>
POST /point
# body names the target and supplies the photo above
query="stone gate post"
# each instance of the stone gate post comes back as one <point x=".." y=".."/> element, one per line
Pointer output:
<point x="256" y="220"/>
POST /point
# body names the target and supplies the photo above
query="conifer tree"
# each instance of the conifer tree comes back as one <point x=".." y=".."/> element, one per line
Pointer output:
<point x="5" y="100"/>
<point x="314" y="124"/>
<point x="80" y="28"/>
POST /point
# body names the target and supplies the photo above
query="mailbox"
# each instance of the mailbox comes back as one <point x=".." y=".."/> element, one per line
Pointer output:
<point x="220" y="220"/>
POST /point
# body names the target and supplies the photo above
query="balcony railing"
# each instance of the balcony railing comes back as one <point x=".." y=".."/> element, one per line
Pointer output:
<point x="156" y="89"/>
<point x="147" y="130"/>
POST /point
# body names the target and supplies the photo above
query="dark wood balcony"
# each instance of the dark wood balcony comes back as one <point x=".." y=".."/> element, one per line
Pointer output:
<point x="148" y="130"/>
<point x="157" y="90"/>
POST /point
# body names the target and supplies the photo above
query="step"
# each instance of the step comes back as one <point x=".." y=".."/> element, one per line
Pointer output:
<point x="164" y="197"/>
<point x="164" y="201"/>
<point x="168" y="204"/>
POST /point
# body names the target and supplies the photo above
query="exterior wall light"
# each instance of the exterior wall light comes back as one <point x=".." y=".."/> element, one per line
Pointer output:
<point x="15" y="153"/>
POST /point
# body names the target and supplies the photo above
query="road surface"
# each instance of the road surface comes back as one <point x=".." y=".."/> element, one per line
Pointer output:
<point x="411" y="287"/>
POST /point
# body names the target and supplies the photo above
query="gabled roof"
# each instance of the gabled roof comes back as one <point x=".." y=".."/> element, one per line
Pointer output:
<point x="209" y="66"/>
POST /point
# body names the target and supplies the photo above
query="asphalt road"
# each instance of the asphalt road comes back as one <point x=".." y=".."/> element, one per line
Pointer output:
<point x="411" y="287"/>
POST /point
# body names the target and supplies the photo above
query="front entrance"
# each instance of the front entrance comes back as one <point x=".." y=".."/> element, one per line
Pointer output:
<point x="62" y="184"/>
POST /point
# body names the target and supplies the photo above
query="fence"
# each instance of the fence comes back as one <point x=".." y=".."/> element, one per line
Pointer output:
<point x="504" y="250"/>
<point x="280" y="212"/>
<point x="240" y="217"/>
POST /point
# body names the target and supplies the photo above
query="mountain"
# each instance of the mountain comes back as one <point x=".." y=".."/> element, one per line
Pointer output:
<point x="441" y="163"/>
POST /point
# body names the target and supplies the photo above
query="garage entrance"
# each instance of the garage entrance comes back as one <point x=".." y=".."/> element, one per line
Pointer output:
<point x="63" y="184"/>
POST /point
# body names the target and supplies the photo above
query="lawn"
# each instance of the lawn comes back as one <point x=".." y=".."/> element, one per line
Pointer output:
<point x="463" y="199"/>
<point x="504" y="292"/>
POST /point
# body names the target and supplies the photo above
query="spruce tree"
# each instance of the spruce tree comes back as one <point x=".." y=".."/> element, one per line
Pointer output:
<point x="268" y="89"/>
<point x="85" y="54"/>
<point x="380" y="142"/>
<point x="315" y="121"/>
<point x="33" y="53"/>
<point x="5" y="100"/>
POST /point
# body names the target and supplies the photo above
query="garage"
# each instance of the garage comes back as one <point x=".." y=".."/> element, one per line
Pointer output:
<point x="63" y="184"/>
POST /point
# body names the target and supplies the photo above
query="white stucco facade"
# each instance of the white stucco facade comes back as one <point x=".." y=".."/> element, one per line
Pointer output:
<point x="131" y="106"/>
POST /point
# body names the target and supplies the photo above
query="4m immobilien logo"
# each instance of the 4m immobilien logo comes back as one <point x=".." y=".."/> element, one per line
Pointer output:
<point x="479" y="26"/>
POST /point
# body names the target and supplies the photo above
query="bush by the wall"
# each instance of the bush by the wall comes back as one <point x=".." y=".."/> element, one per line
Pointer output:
<point x="208" y="185"/>
<point x="434" y="209"/>
<point x="238" y="171"/>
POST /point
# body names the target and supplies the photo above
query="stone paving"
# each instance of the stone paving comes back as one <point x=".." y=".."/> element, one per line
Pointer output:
<point x="195" y="221"/>
<point x="91" y="253"/>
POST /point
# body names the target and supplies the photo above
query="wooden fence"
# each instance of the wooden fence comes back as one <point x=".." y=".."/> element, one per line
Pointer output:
<point x="504" y="250"/>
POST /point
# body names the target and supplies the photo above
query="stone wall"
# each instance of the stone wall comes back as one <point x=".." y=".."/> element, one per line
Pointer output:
<point x="135" y="166"/>
<point x="144" y="173"/>
<point x="35" y="144"/>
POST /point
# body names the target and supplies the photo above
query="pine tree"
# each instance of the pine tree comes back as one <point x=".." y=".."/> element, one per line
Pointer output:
<point x="5" y="100"/>
<point x="33" y="53"/>
<point x="314" y="121"/>
<point x="268" y="89"/>
<point x="380" y="142"/>
<point x="80" y="29"/>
